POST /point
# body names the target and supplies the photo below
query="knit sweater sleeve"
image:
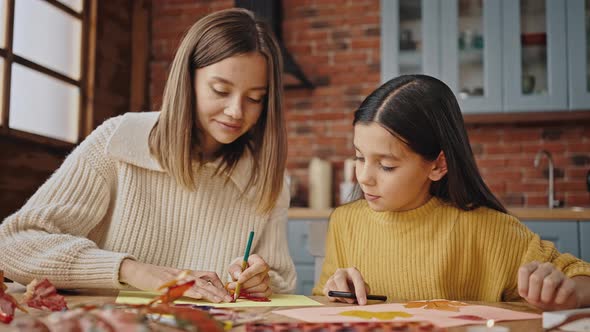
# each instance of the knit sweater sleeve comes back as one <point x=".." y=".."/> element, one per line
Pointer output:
<point x="334" y="258"/>
<point x="273" y="246"/>
<point x="535" y="249"/>
<point x="47" y="237"/>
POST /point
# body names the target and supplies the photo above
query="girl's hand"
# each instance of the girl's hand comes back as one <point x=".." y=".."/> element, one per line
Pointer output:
<point x="150" y="277"/>
<point x="347" y="280"/>
<point x="546" y="287"/>
<point x="254" y="280"/>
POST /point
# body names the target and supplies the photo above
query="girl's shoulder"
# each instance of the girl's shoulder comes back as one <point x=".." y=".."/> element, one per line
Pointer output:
<point x="350" y="211"/>
<point x="487" y="218"/>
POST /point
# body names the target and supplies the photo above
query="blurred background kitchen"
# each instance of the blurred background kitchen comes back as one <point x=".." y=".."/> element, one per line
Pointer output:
<point x="520" y="69"/>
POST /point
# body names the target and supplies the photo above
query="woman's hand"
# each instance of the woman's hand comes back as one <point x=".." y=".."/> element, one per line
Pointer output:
<point x="254" y="280"/>
<point x="150" y="277"/>
<point x="546" y="287"/>
<point x="347" y="280"/>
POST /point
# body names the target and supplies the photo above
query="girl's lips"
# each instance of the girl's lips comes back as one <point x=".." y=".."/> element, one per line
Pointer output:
<point x="370" y="197"/>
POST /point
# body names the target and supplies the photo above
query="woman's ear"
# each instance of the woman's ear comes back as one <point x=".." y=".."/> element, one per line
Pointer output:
<point x="439" y="168"/>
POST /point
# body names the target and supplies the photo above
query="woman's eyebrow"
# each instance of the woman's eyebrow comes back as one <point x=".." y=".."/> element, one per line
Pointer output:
<point x="225" y="81"/>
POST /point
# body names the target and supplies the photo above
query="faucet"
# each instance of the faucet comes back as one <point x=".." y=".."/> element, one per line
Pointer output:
<point x="552" y="201"/>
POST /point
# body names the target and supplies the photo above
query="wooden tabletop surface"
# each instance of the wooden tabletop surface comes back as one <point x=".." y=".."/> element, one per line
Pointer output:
<point x="106" y="296"/>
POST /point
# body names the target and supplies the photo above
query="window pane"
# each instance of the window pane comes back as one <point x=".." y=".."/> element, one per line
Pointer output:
<point x="48" y="36"/>
<point x="74" y="4"/>
<point x="534" y="46"/>
<point x="410" y="43"/>
<point x="43" y="105"/>
<point x="2" y="22"/>
<point x="471" y="48"/>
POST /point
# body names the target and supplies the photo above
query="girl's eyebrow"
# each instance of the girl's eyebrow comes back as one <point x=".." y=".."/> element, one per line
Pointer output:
<point x="382" y="155"/>
<point x="223" y="80"/>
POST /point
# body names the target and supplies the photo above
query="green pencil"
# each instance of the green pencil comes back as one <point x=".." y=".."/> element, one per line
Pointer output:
<point x="244" y="263"/>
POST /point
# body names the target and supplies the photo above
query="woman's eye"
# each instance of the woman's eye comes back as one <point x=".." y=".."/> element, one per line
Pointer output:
<point x="357" y="158"/>
<point x="255" y="101"/>
<point x="220" y="93"/>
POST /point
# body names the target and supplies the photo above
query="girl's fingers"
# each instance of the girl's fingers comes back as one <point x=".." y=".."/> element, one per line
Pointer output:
<point x="551" y="284"/>
<point x="536" y="281"/>
<point x="567" y="289"/>
<point x="359" y="285"/>
<point x="524" y="273"/>
<point x="341" y="284"/>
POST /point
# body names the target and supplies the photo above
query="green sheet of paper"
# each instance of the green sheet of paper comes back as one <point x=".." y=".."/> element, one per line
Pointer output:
<point x="276" y="300"/>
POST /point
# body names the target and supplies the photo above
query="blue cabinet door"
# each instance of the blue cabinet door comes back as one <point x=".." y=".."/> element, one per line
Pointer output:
<point x="563" y="233"/>
<point x="298" y="237"/>
<point x="585" y="240"/>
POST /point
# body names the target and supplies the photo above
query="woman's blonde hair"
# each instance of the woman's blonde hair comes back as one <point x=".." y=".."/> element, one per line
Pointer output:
<point x="175" y="141"/>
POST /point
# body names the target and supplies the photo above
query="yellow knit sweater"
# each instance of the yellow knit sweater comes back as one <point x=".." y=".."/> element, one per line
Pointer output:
<point x="437" y="251"/>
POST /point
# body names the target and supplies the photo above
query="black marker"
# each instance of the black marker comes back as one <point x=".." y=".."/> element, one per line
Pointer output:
<point x="349" y="295"/>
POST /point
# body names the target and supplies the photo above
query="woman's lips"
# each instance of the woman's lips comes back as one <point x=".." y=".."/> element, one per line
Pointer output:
<point x="230" y="126"/>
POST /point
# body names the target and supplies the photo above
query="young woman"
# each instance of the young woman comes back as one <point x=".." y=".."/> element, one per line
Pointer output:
<point x="428" y="226"/>
<point x="148" y="195"/>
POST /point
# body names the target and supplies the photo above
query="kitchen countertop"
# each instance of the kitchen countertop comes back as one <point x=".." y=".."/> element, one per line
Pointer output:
<point x="522" y="213"/>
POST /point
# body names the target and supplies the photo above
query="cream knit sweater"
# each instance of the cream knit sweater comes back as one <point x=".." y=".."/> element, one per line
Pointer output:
<point x="111" y="200"/>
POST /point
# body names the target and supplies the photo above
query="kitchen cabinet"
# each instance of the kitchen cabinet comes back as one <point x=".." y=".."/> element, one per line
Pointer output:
<point x="496" y="55"/>
<point x="411" y="44"/>
<point x="534" y="46"/>
<point x="298" y="235"/>
<point x="472" y="56"/>
<point x="578" y="39"/>
<point x="584" y="239"/>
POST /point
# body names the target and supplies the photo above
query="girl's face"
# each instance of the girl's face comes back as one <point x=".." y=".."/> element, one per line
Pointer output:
<point x="229" y="98"/>
<point x="392" y="177"/>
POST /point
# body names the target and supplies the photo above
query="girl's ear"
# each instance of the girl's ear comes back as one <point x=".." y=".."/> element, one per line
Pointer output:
<point x="439" y="168"/>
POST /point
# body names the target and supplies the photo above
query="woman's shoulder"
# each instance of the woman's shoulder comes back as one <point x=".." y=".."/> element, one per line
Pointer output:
<point x="128" y="139"/>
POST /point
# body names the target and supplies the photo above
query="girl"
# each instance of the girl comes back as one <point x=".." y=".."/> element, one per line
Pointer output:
<point x="147" y="195"/>
<point x="428" y="226"/>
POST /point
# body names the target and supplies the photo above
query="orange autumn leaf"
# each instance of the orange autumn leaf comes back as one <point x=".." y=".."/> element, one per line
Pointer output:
<point x="444" y="305"/>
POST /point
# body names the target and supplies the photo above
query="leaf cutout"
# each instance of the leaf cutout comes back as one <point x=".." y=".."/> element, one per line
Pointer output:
<point x="444" y="305"/>
<point x="382" y="315"/>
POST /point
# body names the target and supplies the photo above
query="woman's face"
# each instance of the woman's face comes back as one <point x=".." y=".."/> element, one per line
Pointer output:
<point x="230" y="96"/>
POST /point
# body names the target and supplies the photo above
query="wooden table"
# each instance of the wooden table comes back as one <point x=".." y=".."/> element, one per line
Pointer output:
<point x="106" y="296"/>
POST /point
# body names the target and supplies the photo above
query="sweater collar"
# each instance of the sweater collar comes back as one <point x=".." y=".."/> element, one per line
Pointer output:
<point x="418" y="213"/>
<point x="129" y="144"/>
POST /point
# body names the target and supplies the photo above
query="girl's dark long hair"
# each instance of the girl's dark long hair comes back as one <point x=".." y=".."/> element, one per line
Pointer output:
<point x="422" y="112"/>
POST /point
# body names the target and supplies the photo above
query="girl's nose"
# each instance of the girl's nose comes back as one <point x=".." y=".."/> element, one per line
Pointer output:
<point x="364" y="175"/>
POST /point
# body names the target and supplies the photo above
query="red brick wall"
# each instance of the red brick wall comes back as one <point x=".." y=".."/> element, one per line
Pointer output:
<point x="337" y="44"/>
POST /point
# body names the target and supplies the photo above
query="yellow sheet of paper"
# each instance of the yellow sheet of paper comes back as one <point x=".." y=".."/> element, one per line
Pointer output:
<point x="277" y="300"/>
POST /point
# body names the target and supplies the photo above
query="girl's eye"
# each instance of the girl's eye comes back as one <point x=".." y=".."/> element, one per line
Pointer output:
<point x="387" y="169"/>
